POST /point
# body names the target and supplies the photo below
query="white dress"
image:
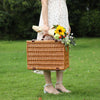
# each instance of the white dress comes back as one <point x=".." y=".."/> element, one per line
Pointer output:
<point x="57" y="14"/>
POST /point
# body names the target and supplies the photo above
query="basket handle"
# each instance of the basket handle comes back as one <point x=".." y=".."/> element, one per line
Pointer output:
<point x="33" y="40"/>
<point x="48" y="35"/>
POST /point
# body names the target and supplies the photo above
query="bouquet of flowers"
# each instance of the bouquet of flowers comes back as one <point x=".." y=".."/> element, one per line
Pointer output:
<point x="59" y="33"/>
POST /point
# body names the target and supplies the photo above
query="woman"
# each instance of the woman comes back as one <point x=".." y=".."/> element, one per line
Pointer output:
<point x="53" y="12"/>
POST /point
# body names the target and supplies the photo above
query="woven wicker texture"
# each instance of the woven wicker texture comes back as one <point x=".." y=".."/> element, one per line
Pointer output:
<point x="47" y="55"/>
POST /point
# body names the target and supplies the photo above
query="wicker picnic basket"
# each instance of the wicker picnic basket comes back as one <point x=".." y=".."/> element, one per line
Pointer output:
<point x="47" y="55"/>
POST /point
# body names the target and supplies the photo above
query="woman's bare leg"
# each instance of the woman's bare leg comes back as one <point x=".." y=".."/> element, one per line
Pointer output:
<point x="47" y="75"/>
<point x="49" y="88"/>
<point x="59" y="84"/>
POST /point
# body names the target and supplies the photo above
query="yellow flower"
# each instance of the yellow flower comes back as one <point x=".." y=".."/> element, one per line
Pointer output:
<point x="60" y="30"/>
<point x="62" y="33"/>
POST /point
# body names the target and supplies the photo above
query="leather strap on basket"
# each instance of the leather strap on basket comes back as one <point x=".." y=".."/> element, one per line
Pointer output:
<point x="33" y="40"/>
<point x="44" y="36"/>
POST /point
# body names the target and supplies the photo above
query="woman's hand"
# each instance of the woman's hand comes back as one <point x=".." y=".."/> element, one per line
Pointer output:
<point x="69" y="29"/>
<point x="45" y="29"/>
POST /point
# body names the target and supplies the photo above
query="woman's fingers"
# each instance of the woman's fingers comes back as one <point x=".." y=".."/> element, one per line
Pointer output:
<point x="69" y="29"/>
<point x="45" y="29"/>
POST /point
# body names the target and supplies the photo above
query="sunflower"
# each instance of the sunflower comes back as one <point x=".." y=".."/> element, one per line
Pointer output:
<point x="60" y="30"/>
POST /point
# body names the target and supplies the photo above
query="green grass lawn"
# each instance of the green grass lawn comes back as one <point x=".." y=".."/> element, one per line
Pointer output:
<point x="82" y="77"/>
